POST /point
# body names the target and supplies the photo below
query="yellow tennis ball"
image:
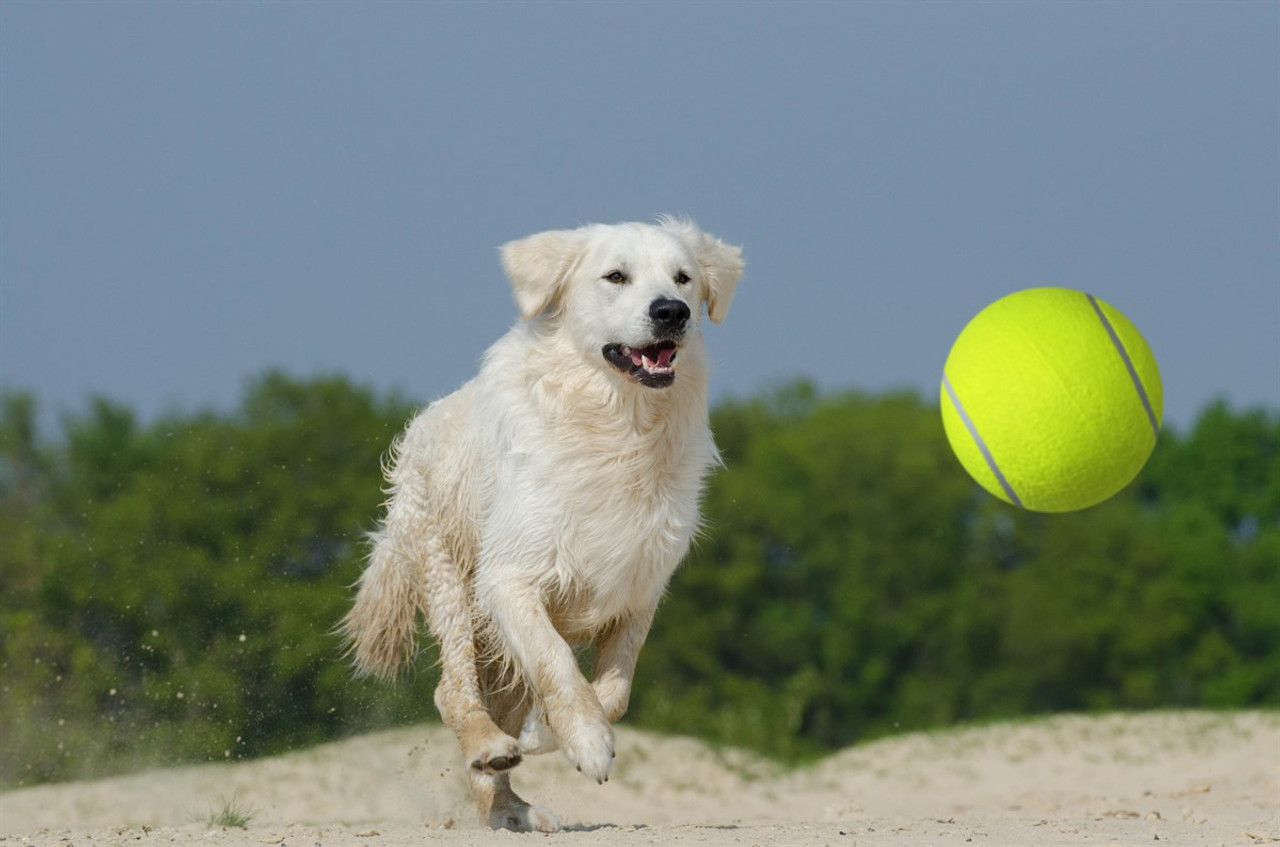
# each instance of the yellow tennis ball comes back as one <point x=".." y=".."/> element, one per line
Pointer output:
<point x="1051" y="399"/>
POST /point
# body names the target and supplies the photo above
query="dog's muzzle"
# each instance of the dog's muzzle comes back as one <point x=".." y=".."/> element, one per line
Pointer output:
<point x="653" y="365"/>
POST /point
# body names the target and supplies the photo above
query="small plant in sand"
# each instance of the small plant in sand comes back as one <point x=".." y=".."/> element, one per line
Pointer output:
<point x="231" y="814"/>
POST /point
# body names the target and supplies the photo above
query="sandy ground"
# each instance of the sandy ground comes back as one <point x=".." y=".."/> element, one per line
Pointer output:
<point x="1176" y="778"/>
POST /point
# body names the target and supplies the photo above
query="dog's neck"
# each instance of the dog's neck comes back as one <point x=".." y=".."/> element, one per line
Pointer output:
<point x="584" y="389"/>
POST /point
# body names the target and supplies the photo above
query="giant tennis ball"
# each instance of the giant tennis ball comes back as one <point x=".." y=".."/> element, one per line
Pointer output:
<point x="1051" y="399"/>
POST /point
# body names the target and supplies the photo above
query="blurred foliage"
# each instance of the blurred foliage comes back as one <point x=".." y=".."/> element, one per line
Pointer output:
<point x="853" y="582"/>
<point x="169" y="589"/>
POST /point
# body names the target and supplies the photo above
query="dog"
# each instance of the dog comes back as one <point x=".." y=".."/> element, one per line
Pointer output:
<point x="543" y="506"/>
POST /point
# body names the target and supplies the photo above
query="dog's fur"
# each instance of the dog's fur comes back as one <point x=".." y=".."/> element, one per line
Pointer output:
<point x="544" y="505"/>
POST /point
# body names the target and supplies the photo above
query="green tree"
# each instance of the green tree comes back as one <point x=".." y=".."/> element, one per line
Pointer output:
<point x="178" y="598"/>
<point x="169" y="589"/>
<point x="853" y="581"/>
<point x="827" y="558"/>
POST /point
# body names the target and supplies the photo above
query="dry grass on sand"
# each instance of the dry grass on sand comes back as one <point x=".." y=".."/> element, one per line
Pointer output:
<point x="1190" y="778"/>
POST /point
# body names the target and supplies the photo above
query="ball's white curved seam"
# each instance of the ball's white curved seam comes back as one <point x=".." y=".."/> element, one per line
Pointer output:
<point x="1128" y="363"/>
<point x="982" y="445"/>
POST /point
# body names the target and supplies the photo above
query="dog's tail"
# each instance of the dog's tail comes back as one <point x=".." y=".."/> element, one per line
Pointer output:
<point x="380" y="632"/>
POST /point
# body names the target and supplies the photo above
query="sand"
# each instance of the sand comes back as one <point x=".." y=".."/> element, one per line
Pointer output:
<point x="1190" y="778"/>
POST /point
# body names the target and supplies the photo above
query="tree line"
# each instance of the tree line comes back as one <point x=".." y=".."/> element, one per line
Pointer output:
<point x="169" y="588"/>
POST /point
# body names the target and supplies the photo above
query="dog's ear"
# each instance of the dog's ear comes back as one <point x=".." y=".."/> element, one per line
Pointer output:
<point x="721" y="264"/>
<point x="538" y="266"/>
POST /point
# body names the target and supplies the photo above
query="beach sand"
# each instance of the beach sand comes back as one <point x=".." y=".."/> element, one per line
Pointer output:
<point x="1178" y="778"/>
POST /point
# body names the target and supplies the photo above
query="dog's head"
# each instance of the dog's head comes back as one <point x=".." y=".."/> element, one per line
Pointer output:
<point x="631" y="294"/>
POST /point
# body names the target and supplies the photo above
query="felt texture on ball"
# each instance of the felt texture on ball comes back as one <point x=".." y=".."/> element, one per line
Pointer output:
<point x="1051" y="399"/>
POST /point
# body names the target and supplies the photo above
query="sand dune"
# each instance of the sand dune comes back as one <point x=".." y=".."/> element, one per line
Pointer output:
<point x="1179" y="778"/>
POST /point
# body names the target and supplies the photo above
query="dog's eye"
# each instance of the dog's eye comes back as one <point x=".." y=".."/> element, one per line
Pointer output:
<point x="616" y="277"/>
<point x="681" y="278"/>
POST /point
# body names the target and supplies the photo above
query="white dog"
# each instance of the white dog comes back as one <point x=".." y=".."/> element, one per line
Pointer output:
<point x="545" y="504"/>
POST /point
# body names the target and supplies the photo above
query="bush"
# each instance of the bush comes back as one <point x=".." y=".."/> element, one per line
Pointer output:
<point x="170" y="588"/>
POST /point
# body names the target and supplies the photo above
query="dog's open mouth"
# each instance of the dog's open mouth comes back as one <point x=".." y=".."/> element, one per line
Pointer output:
<point x="652" y="366"/>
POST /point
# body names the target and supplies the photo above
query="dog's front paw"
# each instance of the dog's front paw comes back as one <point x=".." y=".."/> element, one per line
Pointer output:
<point x="536" y="736"/>
<point x="588" y="744"/>
<point x="502" y="754"/>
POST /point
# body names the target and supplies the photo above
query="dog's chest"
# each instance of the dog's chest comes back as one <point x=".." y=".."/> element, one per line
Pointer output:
<point x="625" y="520"/>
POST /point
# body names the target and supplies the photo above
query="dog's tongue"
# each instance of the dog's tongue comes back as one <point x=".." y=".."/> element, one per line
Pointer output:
<point x="658" y="356"/>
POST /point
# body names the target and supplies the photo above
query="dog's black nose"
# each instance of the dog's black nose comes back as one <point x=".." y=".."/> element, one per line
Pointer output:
<point x="668" y="315"/>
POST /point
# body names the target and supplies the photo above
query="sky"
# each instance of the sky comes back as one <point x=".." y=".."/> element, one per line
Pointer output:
<point x="192" y="193"/>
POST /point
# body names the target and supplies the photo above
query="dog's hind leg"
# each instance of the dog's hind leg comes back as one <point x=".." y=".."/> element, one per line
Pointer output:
<point x="508" y="700"/>
<point x="502" y="808"/>
<point x="485" y="747"/>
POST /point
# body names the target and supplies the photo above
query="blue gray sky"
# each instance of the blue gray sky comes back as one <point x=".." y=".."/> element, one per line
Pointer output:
<point x="191" y="193"/>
